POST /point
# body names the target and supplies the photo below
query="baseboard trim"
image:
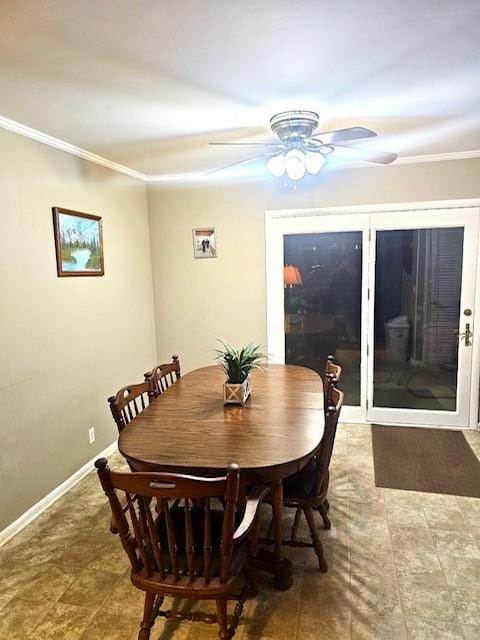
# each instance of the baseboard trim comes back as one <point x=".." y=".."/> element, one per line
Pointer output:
<point x="32" y="513"/>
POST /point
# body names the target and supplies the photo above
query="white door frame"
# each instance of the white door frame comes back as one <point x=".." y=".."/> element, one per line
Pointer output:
<point x="279" y="222"/>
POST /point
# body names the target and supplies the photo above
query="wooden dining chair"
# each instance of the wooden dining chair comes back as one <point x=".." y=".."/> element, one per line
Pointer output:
<point x="161" y="377"/>
<point x="127" y="403"/>
<point x="193" y="552"/>
<point x="306" y="491"/>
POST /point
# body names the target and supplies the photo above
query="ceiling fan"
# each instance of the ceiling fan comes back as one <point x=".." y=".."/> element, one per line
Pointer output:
<point x="300" y="150"/>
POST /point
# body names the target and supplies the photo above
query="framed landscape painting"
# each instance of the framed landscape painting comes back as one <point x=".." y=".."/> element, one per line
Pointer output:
<point x="205" y="243"/>
<point x="78" y="243"/>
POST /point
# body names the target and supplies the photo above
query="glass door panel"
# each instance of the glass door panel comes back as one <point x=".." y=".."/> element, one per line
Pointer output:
<point x="422" y="283"/>
<point x="323" y="303"/>
<point x="418" y="282"/>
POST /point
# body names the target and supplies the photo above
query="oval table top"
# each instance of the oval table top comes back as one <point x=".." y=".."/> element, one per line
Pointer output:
<point x="189" y="429"/>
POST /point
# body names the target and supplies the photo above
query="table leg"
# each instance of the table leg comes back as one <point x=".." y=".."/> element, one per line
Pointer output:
<point x="283" y="567"/>
<point x="277" y="508"/>
<point x="275" y="563"/>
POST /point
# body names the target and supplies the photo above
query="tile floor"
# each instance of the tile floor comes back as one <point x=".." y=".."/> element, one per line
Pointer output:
<point x="402" y="565"/>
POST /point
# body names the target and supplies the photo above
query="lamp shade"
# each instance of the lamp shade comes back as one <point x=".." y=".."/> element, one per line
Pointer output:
<point x="291" y="275"/>
<point x="295" y="164"/>
<point x="276" y="165"/>
<point x="314" y="161"/>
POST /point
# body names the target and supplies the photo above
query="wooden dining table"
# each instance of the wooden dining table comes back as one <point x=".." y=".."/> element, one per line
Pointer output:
<point x="189" y="429"/>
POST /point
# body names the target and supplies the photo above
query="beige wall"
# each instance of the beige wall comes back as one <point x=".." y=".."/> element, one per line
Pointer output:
<point x="65" y="343"/>
<point x="197" y="301"/>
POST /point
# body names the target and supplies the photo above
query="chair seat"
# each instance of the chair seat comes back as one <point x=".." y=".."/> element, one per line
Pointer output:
<point x="197" y="517"/>
<point x="302" y="483"/>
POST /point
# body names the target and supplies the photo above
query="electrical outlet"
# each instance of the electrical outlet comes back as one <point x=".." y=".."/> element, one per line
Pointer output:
<point x="91" y="435"/>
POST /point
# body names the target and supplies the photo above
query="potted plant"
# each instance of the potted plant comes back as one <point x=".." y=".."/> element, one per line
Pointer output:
<point x="237" y="364"/>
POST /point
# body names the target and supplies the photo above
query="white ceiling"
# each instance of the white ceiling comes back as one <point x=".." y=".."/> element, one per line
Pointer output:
<point x="148" y="83"/>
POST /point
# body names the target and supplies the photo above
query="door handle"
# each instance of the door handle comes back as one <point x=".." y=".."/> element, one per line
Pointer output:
<point x="467" y="335"/>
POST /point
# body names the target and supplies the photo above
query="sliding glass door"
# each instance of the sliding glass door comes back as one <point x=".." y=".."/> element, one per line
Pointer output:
<point x="392" y="297"/>
<point x="423" y="286"/>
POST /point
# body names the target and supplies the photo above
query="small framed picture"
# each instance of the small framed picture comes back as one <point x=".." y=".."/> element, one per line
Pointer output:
<point x="205" y="243"/>
<point x="78" y="243"/>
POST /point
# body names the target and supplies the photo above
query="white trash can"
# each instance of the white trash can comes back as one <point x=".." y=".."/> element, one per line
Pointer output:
<point x="397" y="334"/>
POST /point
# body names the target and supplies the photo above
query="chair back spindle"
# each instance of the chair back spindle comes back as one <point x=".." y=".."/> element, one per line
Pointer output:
<point x="207" y="541"/>
<point x="162" y="377"/>
<point x="128" y="403"/>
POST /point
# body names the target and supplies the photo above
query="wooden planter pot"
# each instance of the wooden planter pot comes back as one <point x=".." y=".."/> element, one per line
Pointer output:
<point x="236" y="393"/>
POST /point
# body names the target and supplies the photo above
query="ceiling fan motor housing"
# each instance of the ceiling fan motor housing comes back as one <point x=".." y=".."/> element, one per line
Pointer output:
<point x="294" y="125"/>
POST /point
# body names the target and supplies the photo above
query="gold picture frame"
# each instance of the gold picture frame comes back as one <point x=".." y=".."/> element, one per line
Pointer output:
<point x="78" y="243"/>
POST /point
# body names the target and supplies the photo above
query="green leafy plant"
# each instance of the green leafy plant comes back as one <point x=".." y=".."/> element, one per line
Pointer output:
<point x="237" y="363"/>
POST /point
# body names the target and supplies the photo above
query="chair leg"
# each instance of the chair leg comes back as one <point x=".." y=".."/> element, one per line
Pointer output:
<point x="324" y="513"/>
<point x="251" y="583"/>
<point x="148" y="619"/>
<point x="253" y="539"/>
<point x="224" y="633"/>
<point x="296" y="523"/>
<point x="270" y="529"/>
<point x="317" y="544"/>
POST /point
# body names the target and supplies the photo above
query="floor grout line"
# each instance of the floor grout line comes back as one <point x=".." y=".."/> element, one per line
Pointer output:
<point x="441" y="566"/>
<point x="395" y="565"/>
<point x="299" y="611"/>
<point x="347" y="465"/>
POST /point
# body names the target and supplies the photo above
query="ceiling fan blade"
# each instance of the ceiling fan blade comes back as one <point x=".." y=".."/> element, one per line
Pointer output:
<point x="341" y="135"/>
<point x="247" y="144"/>
<point x="233" y="164"/>
<point x="370" y="155"/>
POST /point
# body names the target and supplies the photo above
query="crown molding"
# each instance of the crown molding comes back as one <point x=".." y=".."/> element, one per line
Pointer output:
<point x="34" y="134"/>
<point x="439" y="157"/>
<point x="194" y="176"/>
<point x="28" y="132"/>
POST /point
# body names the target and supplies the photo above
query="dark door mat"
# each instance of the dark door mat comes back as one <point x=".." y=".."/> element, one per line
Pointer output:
<point x="430" y="460"/>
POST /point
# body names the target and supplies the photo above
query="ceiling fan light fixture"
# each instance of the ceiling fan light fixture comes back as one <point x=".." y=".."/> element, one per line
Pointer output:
<point x="276" y="165"/>
<point x="295" y="164"/>
<point x="300" y="150"/>
<point x="314" y="162"/>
